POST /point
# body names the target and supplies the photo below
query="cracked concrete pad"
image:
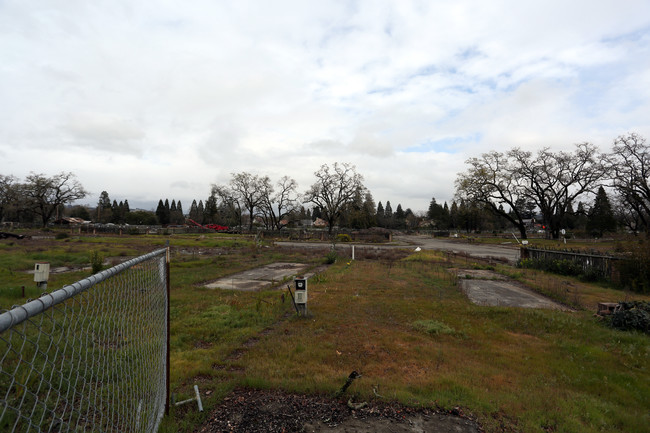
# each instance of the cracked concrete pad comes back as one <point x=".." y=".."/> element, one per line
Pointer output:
<point x="505" y="294"/>
<point x="258" y="278"/>
<point x="488" y="288"/>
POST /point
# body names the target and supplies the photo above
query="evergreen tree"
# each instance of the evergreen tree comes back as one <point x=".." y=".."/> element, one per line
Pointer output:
<point x="352" y="216"/>
<point x="120" y="213"/>
<point x="379" y="216"/>
<point x="194" y="210"/>
<point x="369" y="210"/>
<point x="380" y="210"/>
<point x="160" y="213"/>
<point x="173" y="213"/>
<point x="388" y="215"/>
<point x="200" y="211"/>
<point x="176" y="213"/>
<point x="115" y="217"/>
<point x="601" y="217"/>
<point x="210" y="211"/>
<point x="127" y="209"/>
<point x="453" y="216"/>
<point x="464" y="218"/>
<point x="445" y="217"/>
<point x="400" y="217"/>
<point x="163" y="212"/>
<point x="412" y="221"/>
<point x="104" y="211"/>
<point x="580" y="222"/>
<point x="104" y="200"/>
<point x="438" y="214"/>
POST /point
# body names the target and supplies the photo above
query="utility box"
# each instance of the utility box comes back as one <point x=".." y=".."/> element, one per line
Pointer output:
<point x="41" y="272"/>
<point x="300" y="296"/>
<point x="301" y="290"/>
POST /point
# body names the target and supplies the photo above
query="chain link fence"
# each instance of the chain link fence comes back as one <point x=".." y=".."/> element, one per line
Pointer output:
<point x="92" y="356"/>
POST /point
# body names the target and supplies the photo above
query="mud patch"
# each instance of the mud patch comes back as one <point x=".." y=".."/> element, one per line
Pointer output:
<point x="275" y="411"/>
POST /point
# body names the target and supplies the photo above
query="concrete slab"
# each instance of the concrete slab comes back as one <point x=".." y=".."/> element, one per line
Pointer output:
<point x="491" y="289"/>
<point x="258" y="278"/>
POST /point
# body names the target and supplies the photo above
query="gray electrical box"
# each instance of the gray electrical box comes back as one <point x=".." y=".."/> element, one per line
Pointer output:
<point x="301" y="290"/>
<point x="41" y="272"/>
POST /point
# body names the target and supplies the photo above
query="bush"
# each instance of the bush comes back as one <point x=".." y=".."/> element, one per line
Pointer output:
<point x="562" y="267"/>
<point x="343" y="237"/>
<point x="61" y="235"/>
<point x="96" y="261"/>
<point x="634" y="270"/>
<point x="331" y="257"/>
<point x="632" y="316"/>
<point x="433" y="327"/>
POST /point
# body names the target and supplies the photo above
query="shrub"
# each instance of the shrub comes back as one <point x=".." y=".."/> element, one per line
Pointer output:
<point x="632" y="316"/>
<point x="343" y="237"/>
<point x="331" y="257"/>
<point x="561" y="267"/>
<point x="96" y="261"/>
<point x="433" y="327"/>
<point x="61" y="235"/>
<point x="634" y="270"/>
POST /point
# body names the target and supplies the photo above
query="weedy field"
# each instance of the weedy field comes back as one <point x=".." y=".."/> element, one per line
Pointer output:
<point x="396" y="317"/>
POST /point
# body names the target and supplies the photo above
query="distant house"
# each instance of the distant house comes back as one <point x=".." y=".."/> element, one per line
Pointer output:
<point x="427" y="224"/>
<point x="320" y="223"/>
<point x="69" y="221"/>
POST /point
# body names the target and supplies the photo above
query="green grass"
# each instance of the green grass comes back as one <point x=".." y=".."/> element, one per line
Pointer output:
<point x="403" y="324"/>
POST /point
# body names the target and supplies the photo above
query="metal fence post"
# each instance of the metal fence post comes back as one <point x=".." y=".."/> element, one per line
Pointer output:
<point x="167" y="271"/>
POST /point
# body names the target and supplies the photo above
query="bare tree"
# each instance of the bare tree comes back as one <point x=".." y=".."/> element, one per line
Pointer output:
<point x="8" y="193"/>
<point x="553" y="181"/>
<point x="493" y="180"/>
<point x="334" y="188"/>
<point x="45" y="194"/>
<point x="629" y="165"/>
<point x="245" y="191"/>
<point x="277" y="206"/>
<point x="230" y="205"/>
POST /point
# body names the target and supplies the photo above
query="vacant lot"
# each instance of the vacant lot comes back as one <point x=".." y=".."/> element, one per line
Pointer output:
<point x="396" y="317"/>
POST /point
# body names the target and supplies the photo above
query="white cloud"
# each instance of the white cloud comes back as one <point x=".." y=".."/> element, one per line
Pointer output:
<point x="152" y="99"/>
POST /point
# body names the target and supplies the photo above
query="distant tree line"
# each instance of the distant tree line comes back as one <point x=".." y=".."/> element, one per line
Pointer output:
<point x="580" y="190"/>
<point x="554" y="187"/>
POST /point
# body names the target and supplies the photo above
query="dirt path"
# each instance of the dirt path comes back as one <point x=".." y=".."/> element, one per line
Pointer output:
<point x="508" y="252"/>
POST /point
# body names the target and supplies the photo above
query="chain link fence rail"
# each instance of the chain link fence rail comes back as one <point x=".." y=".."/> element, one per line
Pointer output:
<point x="92" y="356"/>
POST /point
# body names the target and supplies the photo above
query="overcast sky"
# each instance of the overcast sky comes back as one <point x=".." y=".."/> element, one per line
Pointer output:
<point x="162" y="99"/>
